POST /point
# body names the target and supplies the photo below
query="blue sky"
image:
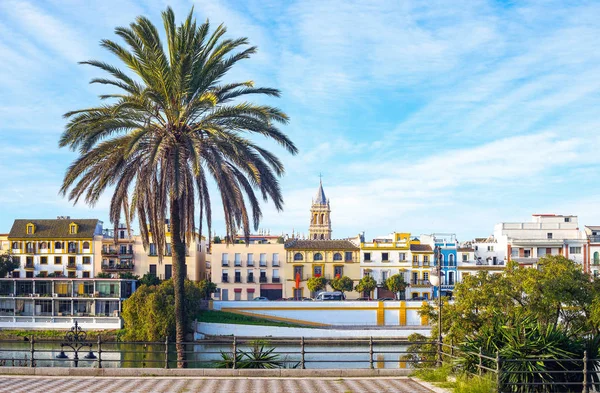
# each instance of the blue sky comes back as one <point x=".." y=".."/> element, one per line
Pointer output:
<point x="436" y="116"/>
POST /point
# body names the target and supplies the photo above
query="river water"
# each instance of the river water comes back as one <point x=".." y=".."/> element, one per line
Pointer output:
<point x="206" y="355"/>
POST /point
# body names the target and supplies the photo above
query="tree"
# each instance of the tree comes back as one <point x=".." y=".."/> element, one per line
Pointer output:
<point x="342" y="284"/>
<point x="99" y="275"/>
<point x="8" y="264"/>
<point x="217" y="240"/>
<point x="366" y="285"/>
<point x="396" y="284"/>
<point x="168" y="130"/>
<point x="129" y="276"/>
<point x="149" y="314"/>
<point x="207" y="288"/>
<point x="316" y="284"/>
<point x="150" y="279"/>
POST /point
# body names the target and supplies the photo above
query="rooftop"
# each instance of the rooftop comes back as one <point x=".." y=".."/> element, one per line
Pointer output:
<point x="55" y="228"/>
<point x="321" y="245"/>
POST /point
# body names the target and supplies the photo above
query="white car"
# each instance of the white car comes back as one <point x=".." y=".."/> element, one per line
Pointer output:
<point x="260" y="299"/>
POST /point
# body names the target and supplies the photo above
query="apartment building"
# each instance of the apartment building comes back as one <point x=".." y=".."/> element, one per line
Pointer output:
<point x="245" y="271"/>
<point x="592" y="256"/>
<point x="61" y="247"/>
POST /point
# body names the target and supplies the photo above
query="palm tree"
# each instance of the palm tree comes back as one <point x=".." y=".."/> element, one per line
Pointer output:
<point x="169" y="129"/>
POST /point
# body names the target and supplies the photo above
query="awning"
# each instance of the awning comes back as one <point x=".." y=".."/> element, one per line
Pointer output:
<point x="250" y="289"/>
<point x="237" y="290"/>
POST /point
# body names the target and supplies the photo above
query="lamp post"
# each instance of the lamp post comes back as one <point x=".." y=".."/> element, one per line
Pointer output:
<point x="436" y="280"/>
<point x="75" y="339"/>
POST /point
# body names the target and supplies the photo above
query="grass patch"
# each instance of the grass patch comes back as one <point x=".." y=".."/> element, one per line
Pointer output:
<point x="465" y="384"/>
<point x="108" y="335"/>
<point x="237" y="319"/>
<point x="433" y="374"/>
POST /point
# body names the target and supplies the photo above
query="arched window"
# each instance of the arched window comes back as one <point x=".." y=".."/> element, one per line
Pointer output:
<point x="596" y="257"/>
<point x="43" y="245"/>
<point x="322" y="220"/>
<point x="15" y="245"/>
<point x="322" y="237"/>
<point x="315" y="236"/>
<point x="316" y="219"/>
<point x="451" y="259"/>
<point x="298" y="257"/>
<point x="57" y="245"/>
<point x="86" y="245"/>
<point x="318" y="257"/>
<point x="451" y="278"/>
<point x="337" y="256"/>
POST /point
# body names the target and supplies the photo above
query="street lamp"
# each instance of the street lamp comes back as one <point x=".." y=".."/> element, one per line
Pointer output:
<point x="435" y="277"/>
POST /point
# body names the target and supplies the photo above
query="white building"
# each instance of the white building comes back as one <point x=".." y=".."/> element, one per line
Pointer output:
<point x="481" y="254"/>
<point x="592" y="257"/>
<point x="546" y="234"/>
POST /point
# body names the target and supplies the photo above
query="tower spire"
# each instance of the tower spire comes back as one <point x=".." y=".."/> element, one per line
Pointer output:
<point x="320" y="222"/>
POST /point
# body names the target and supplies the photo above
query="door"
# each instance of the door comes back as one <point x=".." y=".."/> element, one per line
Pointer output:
<point x="224" y="294"/>
<point x="168" y="271"/>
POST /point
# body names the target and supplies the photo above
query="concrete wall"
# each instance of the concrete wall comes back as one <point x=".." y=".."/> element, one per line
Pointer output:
<point x="92" y="323"/>
<point x="346" y="313"/>
<point x="222" y="329"/>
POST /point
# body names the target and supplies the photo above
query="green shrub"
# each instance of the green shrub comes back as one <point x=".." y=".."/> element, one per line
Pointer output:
<point x="465" y="384"/>
<point x="433" y="374"/>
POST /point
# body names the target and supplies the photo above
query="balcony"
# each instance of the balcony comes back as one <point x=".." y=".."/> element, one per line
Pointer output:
<point x="73" y="250"/>
<point x="368" y="261"/>
<point x="276" y="280"/>
<point x="275" y="264"/>
<point x="117" y="267"/>
<point x="594" y="238"/>
<point x="250" y="279"/>
<point x="416" y="264"/>
<point x="110" y="251"/>
<point x="237" y="279"/>
<point x="420" y="283"/>
<point x="29" y="265"/>
<point x="225" y="263"/>
<point x="71" y="266"/>
<point x="263" y="279"/>
<point x="237" y="263"/>
<point x="263" y="264"/>
<point x="30" y="250"/>
<point x="224" y="279"/>
<point x="250" y="264"/>
<point x="596" y="262"/>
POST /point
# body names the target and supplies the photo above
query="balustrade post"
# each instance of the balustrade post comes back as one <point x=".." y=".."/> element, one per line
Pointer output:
<point x="32" y="341"/>
<point x="498" y="372"/>
<point x="234" y="352"/>
<point x="585" y="373"/>
<point x="480" y="361"/>
<point x="371" y="352"/>
<point x="99" y="352"/>
<point x="302" y="365"/>
<point x="167" y="352"/>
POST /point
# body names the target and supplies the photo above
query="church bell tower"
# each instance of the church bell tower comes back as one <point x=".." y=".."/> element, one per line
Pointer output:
<point x="320" y="222"/>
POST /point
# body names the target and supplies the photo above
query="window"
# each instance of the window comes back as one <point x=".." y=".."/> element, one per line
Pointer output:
<point x="384" y="275"/>
<point x="153" y="270"/>
<point x="338" y="271"/>
<point x="43" y="245"/>
<point x="451" y="259"/>
<point x="298" y="257"/>
<point x="152" y="249"/>
<point x="71" y="261"/>
<point x="549" y="235"/>
<point x="527" y="253"/>
<point x="87" y="260"/>
<point x="57" y="260"/>
<point x="367" y="257"/>
<point x="402" y="256"/>
<point x="575" y="250"/>
<point x="567" y="219"/>
<point x="86" y="245"/>
<point x="72" y="274"/>
<point x="238" y="275"/>
<point x="415" y="259"/>
<point x="168" y="249"/>
<point x="476" y="248"/>
<point x="57" y="245"/>
<point x="43" y="260"/>
<point x="30" y="229"/>
<point x="426" y="260"/>
<point x="465" y="257"/>
<point x="514" y="252"/>
<point x="168" y="271"/>
<point x="238" y="259"/>
<point x="317" y="271"/>
<point x="349" y="256"/>
<point x="224" y="259"/>
<point x="425" y="276"/>
<point x="337" y="256"/>
<point x="318" y="257"/>
<point x="85" y="274"/>
<point x="15" y="245"/>
<point x="297" y="272"/>
<point x="385" y="256"/>
<point x="490" y="248"/>
<point x="250" y="259"/>
<point x="263" y="259"/>
<point x="276" y="276"/>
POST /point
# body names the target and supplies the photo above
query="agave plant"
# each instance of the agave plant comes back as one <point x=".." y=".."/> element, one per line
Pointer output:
<point x="258" y="356"/>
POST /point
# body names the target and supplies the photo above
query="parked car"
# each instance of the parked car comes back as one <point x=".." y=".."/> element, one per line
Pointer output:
<point x="364" y="299"/>
<point x="386" y="298"/>
<point x="260" y="299"/>
<point x="328" y="296"/>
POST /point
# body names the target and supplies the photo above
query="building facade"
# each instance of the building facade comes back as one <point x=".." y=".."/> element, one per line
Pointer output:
<point x="246" y="271"/>
<point x="592" y="256"/>
<point x="319" y="258"/>
<point x="62" y="247"/>
<point x="56" y="303"/>
<point x="546" y="234"/>
<point x="384" y="257"/>
<point x="117" y="252"/>
<point x="448" y="246"/>
<point x="421" y="256"/>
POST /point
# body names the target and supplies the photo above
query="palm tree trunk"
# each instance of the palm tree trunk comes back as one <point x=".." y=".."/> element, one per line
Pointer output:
<point x="178" y="250"/>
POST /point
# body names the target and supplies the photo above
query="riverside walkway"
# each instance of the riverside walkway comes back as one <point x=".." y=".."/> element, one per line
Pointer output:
<point x="62" y="384"/>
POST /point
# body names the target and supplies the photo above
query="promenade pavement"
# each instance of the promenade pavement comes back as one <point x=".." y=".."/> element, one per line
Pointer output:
<point x="27" y="384"/>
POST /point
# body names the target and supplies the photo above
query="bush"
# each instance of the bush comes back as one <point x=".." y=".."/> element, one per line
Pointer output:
<point x="465" y="384"/>
<point x="149" y="279"/>
<point x="149" y="314"/>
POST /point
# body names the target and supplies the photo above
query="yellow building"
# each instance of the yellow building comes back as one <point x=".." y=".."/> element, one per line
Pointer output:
<point x="385" y="257"/>
<point x="422" y="262"/>
<point x="319" y="258"/>
<point x="62" y="247"/>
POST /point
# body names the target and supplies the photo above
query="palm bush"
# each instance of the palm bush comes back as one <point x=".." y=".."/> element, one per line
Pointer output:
<point x="258" y="356"/>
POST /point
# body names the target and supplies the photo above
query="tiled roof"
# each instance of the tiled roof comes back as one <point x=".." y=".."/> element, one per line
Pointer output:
<point x="465" y="249"/>
<point x="321" y="245"/>
<point x="420" y="247"/>
<point x="58" y="228"/>
<point x="593" y="227"/>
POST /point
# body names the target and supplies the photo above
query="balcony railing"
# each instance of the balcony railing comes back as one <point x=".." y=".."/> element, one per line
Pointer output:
<point x="225" y="263"/>
<point x="107" y="267"/>
<point x="224" y="279"/>
<point x="250" y="263"/>
<point x="275" y="264"/>
<point x="276" y="279"/>
<point x="250" y="279"/>
<point x="29" y="265"/>
<point x="420" y="282"/>
<point x="71" y="266"/>
<point x="263" y="279"/>
<point x="263" y="264"/>
<point x="73" y="250"/>
<point x="237" y="279"/>
<point x="596" y="261"/>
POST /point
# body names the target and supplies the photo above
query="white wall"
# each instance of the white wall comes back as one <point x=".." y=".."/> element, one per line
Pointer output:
<point x="221" y="329"/>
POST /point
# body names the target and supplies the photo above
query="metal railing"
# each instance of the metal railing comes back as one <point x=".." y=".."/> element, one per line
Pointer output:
<point x="295" y="352"/>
